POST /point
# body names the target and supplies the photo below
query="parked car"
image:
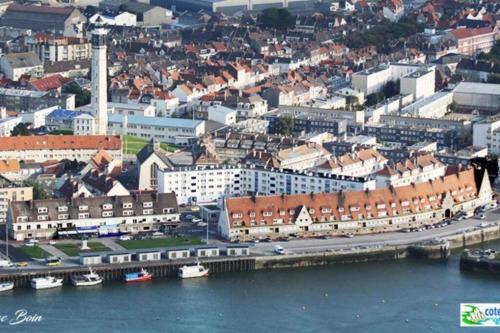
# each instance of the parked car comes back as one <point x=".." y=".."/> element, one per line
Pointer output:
<point x="349" y="235"/>
<point x="125" y="237"/>
<point x="278" y="249"/>
<point x="52" y="242"/>
<point x="196" y="220"/>
<point x="53" y="261"/>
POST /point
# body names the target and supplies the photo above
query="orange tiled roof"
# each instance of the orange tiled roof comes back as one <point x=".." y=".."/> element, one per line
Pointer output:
<point x="350" y="206"/>
<point x="9" y="166"/>
<point x="60" y="142"/>
<point x="468" y="33"/>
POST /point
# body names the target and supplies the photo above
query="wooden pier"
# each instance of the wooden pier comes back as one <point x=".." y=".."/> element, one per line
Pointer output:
<point x="115" y="272"/>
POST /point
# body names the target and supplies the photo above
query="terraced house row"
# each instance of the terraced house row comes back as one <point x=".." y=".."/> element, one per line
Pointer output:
<point x="378" y="210"/>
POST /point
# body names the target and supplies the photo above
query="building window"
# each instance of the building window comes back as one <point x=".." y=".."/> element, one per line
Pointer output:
<point x="154" y="174"/>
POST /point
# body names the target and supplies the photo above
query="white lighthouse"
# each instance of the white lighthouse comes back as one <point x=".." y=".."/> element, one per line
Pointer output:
<point x="99" y="97"/>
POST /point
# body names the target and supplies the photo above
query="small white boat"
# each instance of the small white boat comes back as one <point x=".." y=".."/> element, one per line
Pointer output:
<point x="46" y="282"/>
<point x="192" y="271"/>
<point x="86" y="280"/>
<point x="6" y="286"/>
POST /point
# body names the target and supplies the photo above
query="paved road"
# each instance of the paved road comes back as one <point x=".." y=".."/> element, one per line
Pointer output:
<point x="393" y="238"/>
<point x="318" y="245"/>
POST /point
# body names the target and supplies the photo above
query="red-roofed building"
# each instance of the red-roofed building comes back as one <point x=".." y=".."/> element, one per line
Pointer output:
<point x="54" y="82"/>
<point x="474" y="41"/>
<point x="59" y="147"/>
<point x="362" y="212"/>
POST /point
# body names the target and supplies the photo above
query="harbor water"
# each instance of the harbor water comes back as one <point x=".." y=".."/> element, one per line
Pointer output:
<point x="397" y="296"/>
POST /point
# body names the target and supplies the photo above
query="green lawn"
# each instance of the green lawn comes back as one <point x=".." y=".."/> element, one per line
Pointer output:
<point x="73" y="250"/>
<point x="133" y="144"/>
<point x="160" y="242"/>
<point x="35" y="252"/>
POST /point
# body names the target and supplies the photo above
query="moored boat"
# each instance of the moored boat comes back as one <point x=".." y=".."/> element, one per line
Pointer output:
<point x="142" y="276"/>
<point x="46" y="282"/>
<point x="192" y="271"/>
<point x="6" y="286"/>
<point x="86" y="280"/>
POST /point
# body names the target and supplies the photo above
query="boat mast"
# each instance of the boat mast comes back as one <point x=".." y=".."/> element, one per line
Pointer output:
<point x="7" y="240"/>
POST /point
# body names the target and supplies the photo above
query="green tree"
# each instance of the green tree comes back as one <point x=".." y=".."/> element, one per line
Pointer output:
<point x="278" y="18"/>
<point x="374" y="99"/>
<point x="391" y="89"/>
<point x="285" y="125"/>
<point x="38" y="191"/>
<point x="82" y="96"/>
<point x="20" y="129"/>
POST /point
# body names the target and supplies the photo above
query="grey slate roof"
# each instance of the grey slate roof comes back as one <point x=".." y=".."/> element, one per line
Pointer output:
<point x="95" y="205"/>
<point x="21" y="60"/>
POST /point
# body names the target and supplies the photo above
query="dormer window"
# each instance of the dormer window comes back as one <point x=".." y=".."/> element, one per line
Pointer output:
<point x="292" y="212"/>
<point x="83" y="208"/>
<point x="107" y="206"/>
<point x="147" y="204"/>
<point x="354" y="208"/>
<point x="42" y="210"/>
<point x="62" y="208"/>
<point x="252" y="214"/>
<point x="127" y="205"/>
<point x="341" y="209"/>
<point x="237" y="215"/>
<point x="267" y="213"/>
<point x="326" y="210"/>
<point x="282" y="212"/>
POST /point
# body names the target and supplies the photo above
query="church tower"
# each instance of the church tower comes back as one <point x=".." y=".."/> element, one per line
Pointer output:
<point x="99" y="99"/>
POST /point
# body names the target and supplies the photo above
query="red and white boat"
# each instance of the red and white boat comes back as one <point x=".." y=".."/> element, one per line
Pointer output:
<point x="142" y="276"/>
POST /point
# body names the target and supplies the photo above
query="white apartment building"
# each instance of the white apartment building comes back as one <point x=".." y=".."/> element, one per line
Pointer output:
<point x="420" y="84"/>
<point x="356" y="164"/>
<point x="212" y="183"/>
<point x="7" y="125"/>
<point x="222" y="114"/>
<point x="487" y="134"/>
<point x="373" y="79"/>
<point x="60" y="48"/>
<point x="417" y="169"/>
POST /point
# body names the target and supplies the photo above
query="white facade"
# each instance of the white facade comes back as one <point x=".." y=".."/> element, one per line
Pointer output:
<point x="420" y="84"/>
<point x="222" y="114"/>
<point x="122" y="19"/>
<point x="210" y="184"/>
<point x="487" y="134"/>
<point x="8" y="124"/>
<point x="373" y="79"/>
<point x="165" y="107"/>
<point x="84" y="124"/>
<point x="37" y="118"/>
<point x="435" y="106"/>
<point x="99" y="96"/>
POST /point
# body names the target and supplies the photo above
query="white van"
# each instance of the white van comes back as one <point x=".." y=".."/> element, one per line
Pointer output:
<point x="5" y="263"/>
<point x="278" y="249"/>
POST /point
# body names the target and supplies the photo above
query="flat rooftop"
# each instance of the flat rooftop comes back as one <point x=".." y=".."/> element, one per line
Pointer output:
<point x="155" y="121"/>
